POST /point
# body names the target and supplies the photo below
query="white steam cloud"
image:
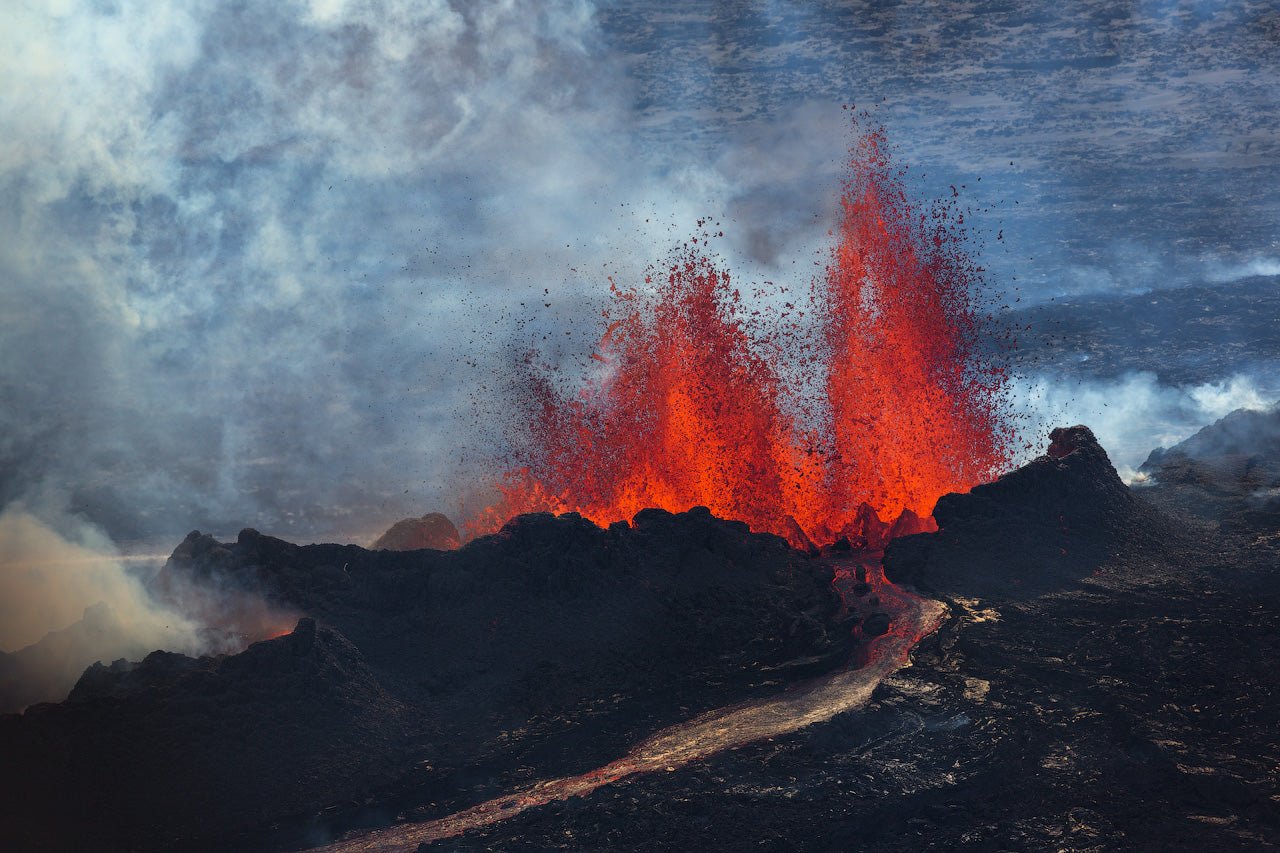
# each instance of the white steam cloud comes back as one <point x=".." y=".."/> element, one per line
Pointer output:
<point x="1223" y="273"/>
<point x="68" y="599"/>
<point x="1134" y="414"/>
<point x="258" y="259"/>
<point x="48" y="580"/>
<point x="255" y="258"/>
<point x="242" y="245"/>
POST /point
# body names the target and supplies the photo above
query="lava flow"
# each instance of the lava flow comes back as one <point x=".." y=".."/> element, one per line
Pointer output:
<point x="897" y="404"/>
<point x="705" y="735"/>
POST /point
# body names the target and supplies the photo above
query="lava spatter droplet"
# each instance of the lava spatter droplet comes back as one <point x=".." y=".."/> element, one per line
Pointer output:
<point x="687" y="408"/>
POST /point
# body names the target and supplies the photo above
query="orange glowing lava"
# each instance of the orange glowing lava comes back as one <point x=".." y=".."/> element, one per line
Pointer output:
<point x="901" y="406"/>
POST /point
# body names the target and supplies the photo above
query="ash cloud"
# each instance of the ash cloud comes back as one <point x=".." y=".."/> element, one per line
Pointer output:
<point x="1226" y="272"/>
<point x="237" y="242"/>
<point x="68" y="599"/>
<point x="49" y="578"/>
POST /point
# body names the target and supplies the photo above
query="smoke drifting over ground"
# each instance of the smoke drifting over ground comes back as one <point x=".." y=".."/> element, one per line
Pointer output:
<point x="236" y="240"/>
<point x="257" y="258"/>
<point x="47" y="581"/>
<point x="68" y="599"/>
<point x="1135" y="413"/>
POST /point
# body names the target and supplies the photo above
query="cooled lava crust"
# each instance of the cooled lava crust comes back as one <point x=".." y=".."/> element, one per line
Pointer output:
<point x="418" y="677"/>
<point x="1108" y="680"/>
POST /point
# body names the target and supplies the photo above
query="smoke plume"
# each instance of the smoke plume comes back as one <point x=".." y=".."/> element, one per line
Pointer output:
<point x="1133" y="414"/>
<point x="48" y="580"/>
<point x="68" y="599"/>
<point x="258" y="257"/>
<point x="258" y="260"/>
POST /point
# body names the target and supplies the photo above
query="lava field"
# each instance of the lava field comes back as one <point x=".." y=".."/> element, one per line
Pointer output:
<point x="1103" y="678"/>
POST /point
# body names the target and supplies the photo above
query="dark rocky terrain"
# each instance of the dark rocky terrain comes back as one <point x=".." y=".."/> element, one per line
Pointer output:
<point x="46" y="670"/>
<point x="433" y="530"/>
<point x="1107" y="681"/>
<point x="145" y="754"/>
<point x="1227" y="475"/>
<point x="416" y="676"/>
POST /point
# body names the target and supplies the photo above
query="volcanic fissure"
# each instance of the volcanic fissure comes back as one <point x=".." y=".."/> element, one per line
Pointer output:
<point x="868" y="399"/>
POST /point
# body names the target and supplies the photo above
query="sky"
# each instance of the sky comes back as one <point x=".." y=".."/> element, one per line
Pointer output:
<point x="267" y="264"/>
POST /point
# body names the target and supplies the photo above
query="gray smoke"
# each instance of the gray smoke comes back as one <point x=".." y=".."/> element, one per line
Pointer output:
<point x="249" y="255"/>
<point x="49" y="578"/>
<point x="68" y="599"/>
<point x="239" y="242"/>
<point x="259" y="259"/>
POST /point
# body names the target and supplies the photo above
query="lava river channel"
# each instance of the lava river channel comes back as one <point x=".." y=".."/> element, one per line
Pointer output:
<point x="814" y="701"/>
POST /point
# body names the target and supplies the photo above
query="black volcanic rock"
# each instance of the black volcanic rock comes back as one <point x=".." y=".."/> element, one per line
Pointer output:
<point x="546" y="647"/>
<point x="909" y="524"/>
<point x="1119" y="697"/>
<point x="175" y="747"/>
<point x="876" y="624"/>
<point x="630" y="604"/>
<point x="1036" y="528"/>
<point x="866" y="531"/>
<point x="433" y="530"/>
<point x="1244" y="432"/>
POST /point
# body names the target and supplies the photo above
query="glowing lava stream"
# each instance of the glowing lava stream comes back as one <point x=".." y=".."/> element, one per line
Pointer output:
<point x="703" y="736"/>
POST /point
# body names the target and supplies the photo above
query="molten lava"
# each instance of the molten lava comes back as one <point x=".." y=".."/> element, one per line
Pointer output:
<point x="686" y="409"/>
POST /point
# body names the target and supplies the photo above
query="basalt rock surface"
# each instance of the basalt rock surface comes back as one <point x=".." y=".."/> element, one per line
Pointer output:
<point x="177" y="748"/>
<point x="1118" y="696"/>
<point x="1038" y="528"/>
<point x="1106" y="681"/>
<point x="552" y="611"/>
<point x="433" y="530"/>
<point x="46" y="670"/>
<point x="417" y="676"/>
<point x="1226" y="475"/>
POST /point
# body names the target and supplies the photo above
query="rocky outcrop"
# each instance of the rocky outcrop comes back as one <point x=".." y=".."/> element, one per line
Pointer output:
<point x="175" y="747"/>
<point x="909" y="524"/>
<point x="866" y="531"/>
<point x="47" y="669"/>
<point x="1245" y="432"/>
<point x="1036" y="528"/>
<point x="433" y="530"/>
<point x="547" y="645"/>
<point x="1118" y="696"/>
<point x="1227" y="474"/>
<point x="1133" y="709"/>
<point x="546" y="592"/>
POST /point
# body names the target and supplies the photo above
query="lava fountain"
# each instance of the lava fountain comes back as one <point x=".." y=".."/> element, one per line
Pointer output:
<point x="689" y="407"/>
<point x="901" y="403"/>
